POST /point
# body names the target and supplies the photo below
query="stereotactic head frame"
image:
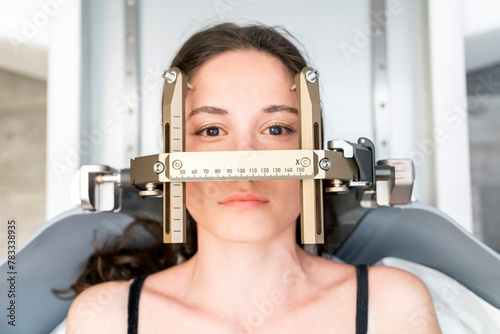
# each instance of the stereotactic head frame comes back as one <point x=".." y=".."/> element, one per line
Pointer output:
<point x="342" y="166"/>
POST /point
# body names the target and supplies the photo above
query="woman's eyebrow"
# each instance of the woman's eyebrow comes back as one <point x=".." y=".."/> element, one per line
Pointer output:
<point x="276" y="108"/>
<point x="218" y="111"/>
<point x="207" y="109"/>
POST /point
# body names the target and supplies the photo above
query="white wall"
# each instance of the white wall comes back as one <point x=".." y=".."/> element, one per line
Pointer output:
<point x="323" y="28"/>
<point x="24" y="36"/>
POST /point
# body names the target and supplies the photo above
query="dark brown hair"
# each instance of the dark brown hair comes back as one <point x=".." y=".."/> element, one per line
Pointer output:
<point x="228" y="37"/>
<point x="123" y="261"/>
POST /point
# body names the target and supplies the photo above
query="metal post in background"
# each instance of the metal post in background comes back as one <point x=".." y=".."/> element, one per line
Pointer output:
<point x="381" y="111"/>
<point x="131" y="123"/>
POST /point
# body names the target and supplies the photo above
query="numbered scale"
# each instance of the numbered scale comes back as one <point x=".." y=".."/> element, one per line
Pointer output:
<point x="342" y="166"/>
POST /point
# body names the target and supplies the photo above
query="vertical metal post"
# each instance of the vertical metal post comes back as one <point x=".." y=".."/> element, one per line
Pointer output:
<point x="381" y="110"/>
<point x="311" y="138"/>
<point x="174" y="199"/>
<point x="131" y="137"/>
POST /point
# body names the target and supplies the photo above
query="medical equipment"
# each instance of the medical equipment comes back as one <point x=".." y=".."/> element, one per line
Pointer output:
<point x="372" y="200"/>
<point x="342" y="166"/>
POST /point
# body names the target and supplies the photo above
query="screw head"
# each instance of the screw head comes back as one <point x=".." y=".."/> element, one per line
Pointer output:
<point x="305" y="162"/>
<point x="311" y="76"/>
<point x="170" y="76"/>
<point x="177" y="164"/>
<point x="159" y="167"/>
<point x="325" y="164"/>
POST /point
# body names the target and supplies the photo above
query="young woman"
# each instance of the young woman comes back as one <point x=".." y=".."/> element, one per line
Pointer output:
<point x="248" y="274"/>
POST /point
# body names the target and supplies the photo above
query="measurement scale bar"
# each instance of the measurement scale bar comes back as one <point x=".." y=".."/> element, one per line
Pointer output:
<point x="241" y="165"/>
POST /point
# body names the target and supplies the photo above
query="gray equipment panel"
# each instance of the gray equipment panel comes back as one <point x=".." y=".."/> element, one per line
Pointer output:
<point x="53" y="258"/>
<point x="422" y="234"/>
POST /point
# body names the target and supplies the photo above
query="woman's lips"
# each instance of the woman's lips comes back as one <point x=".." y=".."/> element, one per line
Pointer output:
<point x="244" y="201"/>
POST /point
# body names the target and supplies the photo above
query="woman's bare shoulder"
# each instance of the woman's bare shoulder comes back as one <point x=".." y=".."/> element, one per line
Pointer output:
<point x="101" y="308"/>
<point x="400" y="302"/>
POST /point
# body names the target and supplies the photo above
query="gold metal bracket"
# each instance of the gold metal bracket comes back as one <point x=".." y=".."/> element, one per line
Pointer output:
<point x="174" y="201"/>
<point x="310" y="138"/>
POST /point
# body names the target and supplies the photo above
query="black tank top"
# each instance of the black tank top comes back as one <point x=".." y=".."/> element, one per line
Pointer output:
<point x="361" y="301"/>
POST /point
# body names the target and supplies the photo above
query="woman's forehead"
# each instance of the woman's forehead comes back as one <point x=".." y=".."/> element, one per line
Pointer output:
<point x="241" y="80"/>
<point x="241" y="65"/>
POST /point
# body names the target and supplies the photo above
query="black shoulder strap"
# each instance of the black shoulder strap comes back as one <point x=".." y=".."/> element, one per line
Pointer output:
<point x="362" y="299"/>
<point x="133" y="304"/>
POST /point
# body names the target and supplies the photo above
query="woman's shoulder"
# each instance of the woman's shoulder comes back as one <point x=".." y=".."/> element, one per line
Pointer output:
<point x="383" y="281"/>
<point x="396" y="286"/>
<point x="101" y="308"/>
<point x="400" y="301"/>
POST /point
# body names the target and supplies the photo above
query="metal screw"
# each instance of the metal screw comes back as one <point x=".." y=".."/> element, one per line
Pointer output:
<point x="150" y="190"/>
<point x="336" y="186"/>
<point x="305" y="162"/>
<point x="170" y="76"/>
<point x="177" y="164"/>
<point x="312" y="76"/>
<point x="159" y="167"/>
<point x="325" y="164"/>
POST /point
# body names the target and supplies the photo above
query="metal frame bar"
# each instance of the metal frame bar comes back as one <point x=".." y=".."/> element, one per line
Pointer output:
<point x="132" y="135"/>
<point x="380" y="89"/>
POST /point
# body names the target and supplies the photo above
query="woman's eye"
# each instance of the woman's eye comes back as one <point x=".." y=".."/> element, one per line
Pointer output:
<point x="211" y="131"/>
<point x="277" y="130"/>
<point x="215" y="131"/>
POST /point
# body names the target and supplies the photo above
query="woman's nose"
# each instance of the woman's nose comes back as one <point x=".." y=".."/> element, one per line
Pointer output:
<point x="245" y="142"/>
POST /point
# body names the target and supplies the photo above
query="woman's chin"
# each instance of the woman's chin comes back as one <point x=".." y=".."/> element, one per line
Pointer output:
<point x="240" y="228"/>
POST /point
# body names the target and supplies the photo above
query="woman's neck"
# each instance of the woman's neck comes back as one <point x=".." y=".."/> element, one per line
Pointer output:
<point x="249" y="282"/>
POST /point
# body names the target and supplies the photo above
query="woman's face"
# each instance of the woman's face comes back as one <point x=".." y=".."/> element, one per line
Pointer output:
<point x="242" y="100"/>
